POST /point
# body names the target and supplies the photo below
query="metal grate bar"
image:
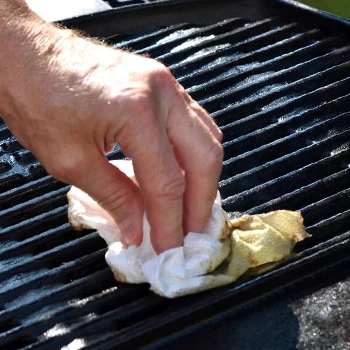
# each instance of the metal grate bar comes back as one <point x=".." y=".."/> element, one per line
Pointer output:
<point x="327" y="207"/>
<point x="53" y="257"/>
<point x="163" y="50"/>
<point x="279" y="88"/>
<point x="48" y="200"/>
<point x="276" y="102"/>
<point x="290" y="120"/>
<point x="76" y="289"/>
<point x="307" y="194"/>
<point x="120" y="318"/>
<point x="98" y="303"/>
<point x="282" y="184"/>
<point x="38" y="224"/>
<point x="287" y="65"/>
<point x="32" y="189"/>
<point x="162" y="41"/>
<point x="221" y="60"/>
<point x="82" y="266"/>
<point x="276" y="163"/>
<point x="141" y="41"/>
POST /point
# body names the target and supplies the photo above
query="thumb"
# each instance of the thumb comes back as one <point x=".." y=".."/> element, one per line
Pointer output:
<point x="118" y="195"/>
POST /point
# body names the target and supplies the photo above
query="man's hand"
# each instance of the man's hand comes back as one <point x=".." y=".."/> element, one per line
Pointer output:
<point x="70" y="100"/>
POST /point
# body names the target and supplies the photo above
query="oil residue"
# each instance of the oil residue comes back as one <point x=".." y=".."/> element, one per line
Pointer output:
<point x="280" y="101"/>
<point x="205" y="52"/>
<point x="6" y="263"/>
<point x="176" y="35"/>
<point x="44" y="313"/>
<point x="329" y="134"/>
<point x="344" y="147"/>
<point x="20" y="279"/>
<point x="4" y="245"/>
<point x="192" y="43"/>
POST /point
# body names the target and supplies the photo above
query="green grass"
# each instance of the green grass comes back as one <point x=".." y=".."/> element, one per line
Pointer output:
<point x="338" y="7"/>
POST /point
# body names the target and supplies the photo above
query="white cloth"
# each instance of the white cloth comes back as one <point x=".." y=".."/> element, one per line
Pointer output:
<point x="234" y="246"/>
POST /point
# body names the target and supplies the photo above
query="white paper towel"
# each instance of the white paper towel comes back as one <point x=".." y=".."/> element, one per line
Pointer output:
<point x="233" y="246"/>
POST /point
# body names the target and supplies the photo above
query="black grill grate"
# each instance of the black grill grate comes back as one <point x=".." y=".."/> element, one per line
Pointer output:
<point x="123" y="3"/>
<point x="280" y="94"/>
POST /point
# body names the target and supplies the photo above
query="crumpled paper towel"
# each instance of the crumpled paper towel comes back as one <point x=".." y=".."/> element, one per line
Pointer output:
<point x="219" y="255"/>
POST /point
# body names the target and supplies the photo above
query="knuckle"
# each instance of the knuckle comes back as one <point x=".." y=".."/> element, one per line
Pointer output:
<point x="215" y="156"/>
<point x="162" y="76"/>
<point x="114" y="201"/>
<point x="219" y="134"/>
<point x="65" y="169"/>
<point x="172" y="188"/>
<point x="136" y="104"/>
<point x="159" y="70"/>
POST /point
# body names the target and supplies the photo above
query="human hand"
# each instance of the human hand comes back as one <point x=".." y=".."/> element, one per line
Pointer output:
<point x="75" y="99"/>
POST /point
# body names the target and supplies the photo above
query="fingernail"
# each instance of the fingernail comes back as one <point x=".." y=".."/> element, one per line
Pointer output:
<point x="131" y="235"/>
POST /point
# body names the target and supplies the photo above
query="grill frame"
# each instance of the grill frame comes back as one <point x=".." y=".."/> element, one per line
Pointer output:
<point x="157" y="15"/>
<point x="334" y="251"/>
<point x="154" y="15"/>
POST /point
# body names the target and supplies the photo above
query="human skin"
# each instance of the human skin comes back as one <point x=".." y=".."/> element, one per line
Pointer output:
<point x="69" y="100"/>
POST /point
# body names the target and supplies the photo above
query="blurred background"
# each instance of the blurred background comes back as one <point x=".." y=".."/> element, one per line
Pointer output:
<point x="338" y="7"/>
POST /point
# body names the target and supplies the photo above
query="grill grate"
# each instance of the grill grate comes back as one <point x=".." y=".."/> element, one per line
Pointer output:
<point x="280" y="94"/>
<point x="122" y="3"/>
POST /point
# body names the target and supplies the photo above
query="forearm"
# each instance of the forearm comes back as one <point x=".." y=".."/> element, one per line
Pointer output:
<point x="26" y="43"/>
<point x="19" y="26"/>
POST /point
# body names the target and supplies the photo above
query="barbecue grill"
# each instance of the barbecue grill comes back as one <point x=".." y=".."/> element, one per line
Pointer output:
<point x="275" y="77"/>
